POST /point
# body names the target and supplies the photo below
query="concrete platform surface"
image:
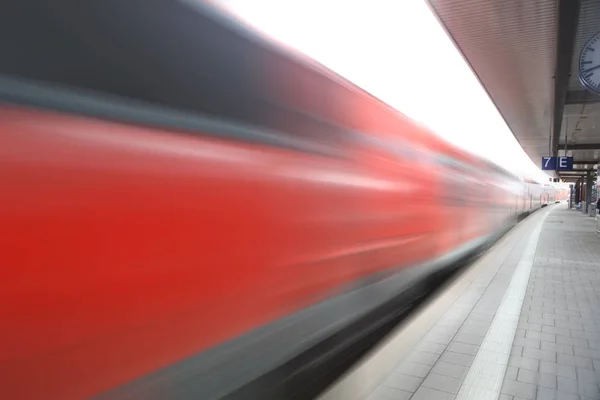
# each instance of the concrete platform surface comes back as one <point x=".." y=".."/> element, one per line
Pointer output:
<point x="523" y="322"/>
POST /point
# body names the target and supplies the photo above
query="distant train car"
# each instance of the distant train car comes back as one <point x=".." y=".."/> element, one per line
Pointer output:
<point x="562" y="193"/>
<point x="188" y="208"/>
<point x="535" y="194"/>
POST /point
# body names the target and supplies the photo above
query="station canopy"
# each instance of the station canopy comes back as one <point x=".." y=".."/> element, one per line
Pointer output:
<point x="525" y="54"/>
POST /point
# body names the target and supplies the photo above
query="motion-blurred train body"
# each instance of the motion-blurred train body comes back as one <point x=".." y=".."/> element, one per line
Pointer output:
<point x="186" y="214"/>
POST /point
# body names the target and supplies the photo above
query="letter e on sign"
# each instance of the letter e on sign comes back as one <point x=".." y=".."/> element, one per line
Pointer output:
<point x="562" y="162"/>
<point x="565" y="163"/>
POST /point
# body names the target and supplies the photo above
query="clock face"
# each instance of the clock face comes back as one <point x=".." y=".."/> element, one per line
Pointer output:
<point x="589" y="64"/>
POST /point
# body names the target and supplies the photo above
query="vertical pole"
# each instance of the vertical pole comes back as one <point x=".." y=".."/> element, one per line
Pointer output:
<point x="588" y="191"/>
<point x="571" y="195"/>
<point x="582" y="191"/>
<point x="566" y="134"/>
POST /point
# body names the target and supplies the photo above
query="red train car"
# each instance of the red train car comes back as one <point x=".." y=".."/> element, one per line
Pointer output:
<point x="186" y="207"/>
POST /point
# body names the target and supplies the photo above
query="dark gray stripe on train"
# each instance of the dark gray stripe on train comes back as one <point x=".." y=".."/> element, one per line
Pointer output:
<point x="226" y="368"/>
<point x="86" y="103"/>
<point x="43" y="96"/>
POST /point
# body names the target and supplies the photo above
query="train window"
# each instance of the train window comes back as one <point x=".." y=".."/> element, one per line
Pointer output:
<point x="159" y="53"/>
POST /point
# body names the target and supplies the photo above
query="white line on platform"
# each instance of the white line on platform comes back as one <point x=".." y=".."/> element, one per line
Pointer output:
<point x="485" y="377"/>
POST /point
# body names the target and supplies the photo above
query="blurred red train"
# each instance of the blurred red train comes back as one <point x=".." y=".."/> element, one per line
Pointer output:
<point x="187" y="207"/>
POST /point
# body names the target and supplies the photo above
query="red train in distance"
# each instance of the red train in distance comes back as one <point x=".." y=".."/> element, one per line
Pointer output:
<point x="187" y="207"/>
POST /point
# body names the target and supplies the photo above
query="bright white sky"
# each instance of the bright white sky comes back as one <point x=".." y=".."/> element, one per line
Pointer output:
<point x="397" y="50"/>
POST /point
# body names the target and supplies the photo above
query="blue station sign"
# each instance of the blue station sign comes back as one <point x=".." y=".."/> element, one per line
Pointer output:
<point x="557" y="163"/>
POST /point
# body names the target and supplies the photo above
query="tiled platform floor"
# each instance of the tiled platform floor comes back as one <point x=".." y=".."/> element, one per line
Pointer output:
<point x="547" y="349"/>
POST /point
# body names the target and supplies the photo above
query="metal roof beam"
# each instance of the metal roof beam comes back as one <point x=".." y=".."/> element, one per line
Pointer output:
<point x="580" y="146"/>
<point x="568" y="17"/>
<point x="576" y="170"/>
<point x="577" y="162"/>
<point x="581" y="97"/>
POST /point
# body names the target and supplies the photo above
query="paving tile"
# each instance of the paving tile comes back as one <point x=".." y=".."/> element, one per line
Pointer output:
<point x="574" y="361"/>
<point x="403" y="382"/>
<point x="594" y="344"/>
<point x="530" y="326"/>
<point x="479" y="325"/>
<point x="413" y="369"/>
<point x="587" y="353"/>
<point x="555" y="330"/>
<point x="511" y="373"/>
<point x="570" y="313"/>
<point x="537" y="378"/>
<point x="481" y="317"/>
<point x="457" y="358"/>
<point x="524" y="342"/>
<point x="451" y="325"/>
<point x="567" y="385"/>
<point x="583" y="334"/>
<point x="468" y="339"/>
<point x="450" y="369"/>
<point x="588" y="375"/>
<point x="559" y="348"/>
<point x="431" y="347"/>
<point x="542" y="355"/>
<point x="560" y="339"/>
<point x="443" y="330"/>
<point x="551" y="394"/>
<point x="523" y="362"/>
<point x="568" y="324"/>
<point x="589" y="389"/>
<point x="431" y="394"/>
<point x="556" y="317"/>
<point x="516" y="351"/>
<point x="439" y="338"/>
<point x="547" y="337"/>
<point x="545" y="309"/>
<point x="558" y="369"/>
<point x="474" y="329"/>
<point x="540" y="319"/>
<point x="421" y="357"/>
<point x="519" y="389"/>
<point x="463" y="348"/>
<point x="591" y="324"/>
<point x="443" y="383"/>
<point x="386" y="393"/>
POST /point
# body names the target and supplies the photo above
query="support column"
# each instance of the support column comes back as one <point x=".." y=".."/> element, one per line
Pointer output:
<point x="588" y="191"/>
<point x="571" y="196"/>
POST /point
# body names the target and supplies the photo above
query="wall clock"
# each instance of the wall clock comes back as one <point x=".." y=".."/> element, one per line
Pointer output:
<point x="589" y="64"/>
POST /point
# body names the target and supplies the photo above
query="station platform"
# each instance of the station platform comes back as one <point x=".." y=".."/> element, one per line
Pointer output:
<point x="522" y="322"/>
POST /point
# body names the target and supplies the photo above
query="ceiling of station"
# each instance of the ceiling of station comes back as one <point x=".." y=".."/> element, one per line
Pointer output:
<point x="525" y="54"/>
<point x="510" y="45"/>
